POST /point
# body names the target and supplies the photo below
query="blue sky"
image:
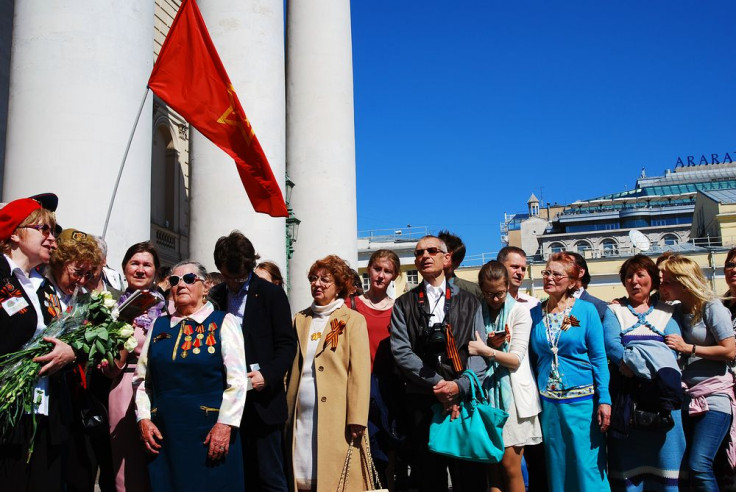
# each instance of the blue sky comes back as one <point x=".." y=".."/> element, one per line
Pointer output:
<point x="480" y="103"/>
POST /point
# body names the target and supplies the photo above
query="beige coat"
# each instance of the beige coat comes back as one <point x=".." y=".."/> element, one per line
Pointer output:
<point x="343" y="396"/>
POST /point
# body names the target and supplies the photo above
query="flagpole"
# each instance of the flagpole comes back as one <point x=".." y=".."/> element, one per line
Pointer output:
<point x="122" y="164"/>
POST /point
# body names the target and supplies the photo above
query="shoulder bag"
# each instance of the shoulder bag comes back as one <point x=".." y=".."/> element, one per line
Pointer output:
<point x="476" y="435"/>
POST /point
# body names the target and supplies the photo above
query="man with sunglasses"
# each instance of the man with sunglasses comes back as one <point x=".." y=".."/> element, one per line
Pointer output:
<point x="430" y="329"/>
<point x="270" y="347"/>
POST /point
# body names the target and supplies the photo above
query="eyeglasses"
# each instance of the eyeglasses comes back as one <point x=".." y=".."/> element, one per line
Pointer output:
<point x="495" y="295"/>
<point x="729" y="266"/>
<point x="188" y="278"/>
<point x="44" y="229"/>
<point x="313" y="279"/>
<point x="431" y="250"/>
<point x="79" y="274"/>
<point x="555" y="275"/>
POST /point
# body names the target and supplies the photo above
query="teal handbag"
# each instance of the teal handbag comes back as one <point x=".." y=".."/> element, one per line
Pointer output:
<point x="476" y="435"/>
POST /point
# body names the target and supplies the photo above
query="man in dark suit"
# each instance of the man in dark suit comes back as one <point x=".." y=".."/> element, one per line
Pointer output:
<point x="583" y="281"/>
<point x="270" y="348"/>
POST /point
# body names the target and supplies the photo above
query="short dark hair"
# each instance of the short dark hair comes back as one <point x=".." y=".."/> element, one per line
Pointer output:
<point x="730" y="255"/>
<point x="507" y="250"/>
<point x="583" y="265"/>
<point x="236" y="253"/>
<point x="493" y="270"/>
<point x="455" y="246"/>
<point x="143" y="247"/>
<point x="640" y="262"/>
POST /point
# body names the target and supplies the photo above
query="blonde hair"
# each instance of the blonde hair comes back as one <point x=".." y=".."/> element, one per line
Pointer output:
<point x="687" y="273"/>
<point x="83" y="250"/>
<point x="38" y="216"/>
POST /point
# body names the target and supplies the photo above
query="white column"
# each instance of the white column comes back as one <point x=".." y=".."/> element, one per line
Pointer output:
<point x="321" y="136"/>
<point x="249" y="37"/>
<point x="78" y="74"/>
<point x="6" y="39"/>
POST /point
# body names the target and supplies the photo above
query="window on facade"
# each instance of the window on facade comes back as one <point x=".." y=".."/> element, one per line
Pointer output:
<point x="412" y="277"/>
<point x="583" y="246"/>
<point x="556" y="248"/>
<point x="366" y="282"/>
<point x="670" y="240"/>
<point x="609" y="247"/>
<point x="164" y="166"/>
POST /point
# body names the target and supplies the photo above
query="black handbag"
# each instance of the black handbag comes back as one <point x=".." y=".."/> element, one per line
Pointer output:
<point x="651" y="421"/>
<point x="93" y="415"/>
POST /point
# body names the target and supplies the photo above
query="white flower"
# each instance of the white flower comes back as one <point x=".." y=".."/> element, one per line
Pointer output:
<point x="126" y="331"/>
<point x="115" y="313"/>
<point x="130" y="344"/>
<point x="108" y="301"/>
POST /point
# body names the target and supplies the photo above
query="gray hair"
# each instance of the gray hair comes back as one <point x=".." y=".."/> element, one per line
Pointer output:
<point x="201" y="270"/>
<point x="102" y="245"/>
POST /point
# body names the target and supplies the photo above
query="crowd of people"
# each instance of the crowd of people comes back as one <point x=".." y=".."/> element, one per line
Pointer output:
<point x="225" y="390"/>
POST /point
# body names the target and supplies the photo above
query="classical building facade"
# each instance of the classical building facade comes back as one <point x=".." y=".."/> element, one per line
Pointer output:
<point x="659" y="209"/>
<point x="73" y="74"/>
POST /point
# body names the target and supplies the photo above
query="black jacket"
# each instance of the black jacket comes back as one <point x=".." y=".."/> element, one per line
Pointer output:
<point x="20" y="327"/>
<point x="270" y="342"/>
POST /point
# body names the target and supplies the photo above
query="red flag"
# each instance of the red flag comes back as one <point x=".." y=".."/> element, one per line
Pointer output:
<point x="191" y="79"/>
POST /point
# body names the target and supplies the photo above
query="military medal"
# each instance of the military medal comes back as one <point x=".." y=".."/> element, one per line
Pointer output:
<point x="187" y="345"/>
<point x="211" y="342"/>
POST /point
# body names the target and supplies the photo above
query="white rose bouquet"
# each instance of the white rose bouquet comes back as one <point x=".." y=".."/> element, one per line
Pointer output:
<point x="89" y="327"/>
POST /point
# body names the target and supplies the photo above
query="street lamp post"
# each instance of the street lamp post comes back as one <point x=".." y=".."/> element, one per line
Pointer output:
<point x="292" y="228"/>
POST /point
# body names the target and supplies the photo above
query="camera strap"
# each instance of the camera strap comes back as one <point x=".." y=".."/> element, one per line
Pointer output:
<point x="450" y="347"/>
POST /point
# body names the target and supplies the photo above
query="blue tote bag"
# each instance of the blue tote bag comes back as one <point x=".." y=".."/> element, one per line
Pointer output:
<point x="476" y="435"/>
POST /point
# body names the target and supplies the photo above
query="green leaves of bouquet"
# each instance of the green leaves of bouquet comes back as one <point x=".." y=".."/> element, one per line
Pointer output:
<point x="90" y="326"/>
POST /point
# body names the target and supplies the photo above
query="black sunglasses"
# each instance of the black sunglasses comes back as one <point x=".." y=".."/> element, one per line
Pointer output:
<point x="44" y="229"/>
<point x="188" y="278"/>
<point x="431" y="250"/>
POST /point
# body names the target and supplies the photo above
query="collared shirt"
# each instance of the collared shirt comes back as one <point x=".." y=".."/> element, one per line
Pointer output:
<point x="236" y="301"/>
<point x="436" y="301"/>
<point x="578" y="293"/>
<point x="233" y="359"/>
<point x="30" y="285"/>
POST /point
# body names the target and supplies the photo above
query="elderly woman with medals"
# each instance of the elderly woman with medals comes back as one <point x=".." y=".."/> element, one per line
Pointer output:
<point x="191" y="384"/>
<point x="646" y="442"/>
<point x="509" y="381"/>
<point x="328" y="387"/>
<point x="572" y="376"/>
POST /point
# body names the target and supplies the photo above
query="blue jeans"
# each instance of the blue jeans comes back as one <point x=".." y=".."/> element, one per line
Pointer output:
<point x="705" y="433"/>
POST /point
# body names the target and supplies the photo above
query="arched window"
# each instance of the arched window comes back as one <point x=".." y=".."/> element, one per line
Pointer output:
<point x="609" y="247"/>
<point x="556" y="248"/>
<point x="583" y="246"/>
<point x="670" y="240"/>
<point x="164" y="175"/>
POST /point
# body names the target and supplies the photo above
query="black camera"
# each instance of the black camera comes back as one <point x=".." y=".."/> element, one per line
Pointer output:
<point x="435" y="338"/>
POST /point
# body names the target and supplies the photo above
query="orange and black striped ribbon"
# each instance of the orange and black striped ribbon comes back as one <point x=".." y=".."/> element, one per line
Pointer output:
<point x="452" y="350"/>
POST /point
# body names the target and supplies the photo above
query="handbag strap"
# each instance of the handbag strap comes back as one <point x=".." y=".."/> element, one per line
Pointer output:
<point x="372" y="473"/>
<point x="474" y="382"/>
<point x="343" y="482"/>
